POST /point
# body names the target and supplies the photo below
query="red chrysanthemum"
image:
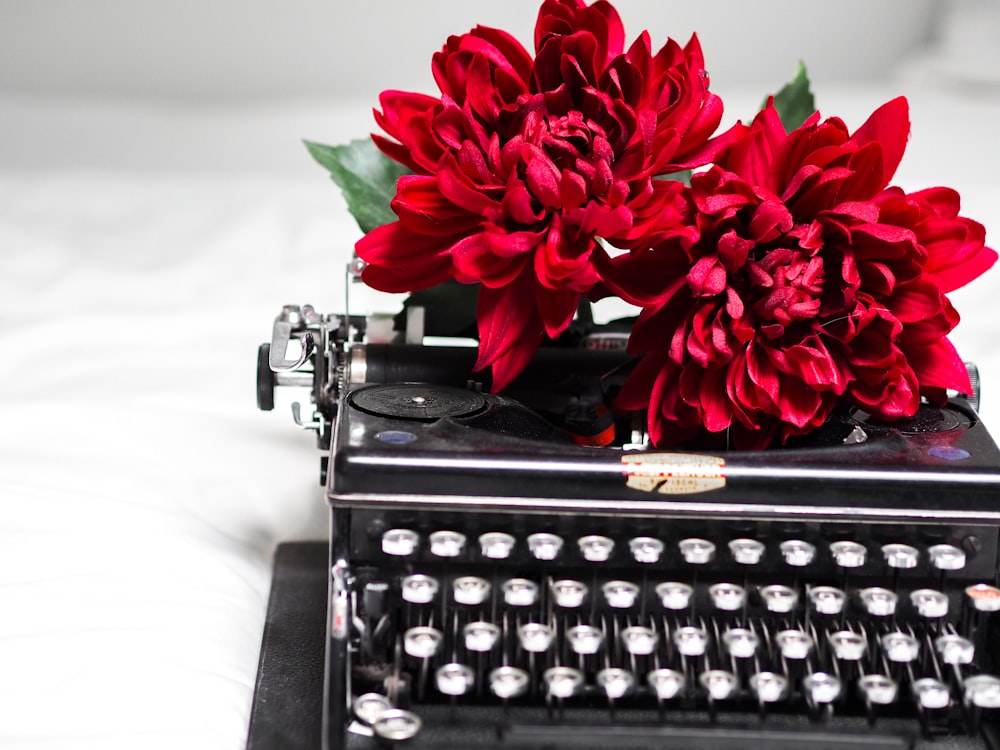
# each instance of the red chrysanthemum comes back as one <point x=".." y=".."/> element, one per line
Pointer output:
<point x="522" y="163"/>
<point x="811" y="283"/>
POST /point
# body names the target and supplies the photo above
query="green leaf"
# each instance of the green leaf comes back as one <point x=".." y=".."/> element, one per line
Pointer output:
<point x="682" y="176"/>
<point x="795" y="102"/>
<point x="365" y="175"/>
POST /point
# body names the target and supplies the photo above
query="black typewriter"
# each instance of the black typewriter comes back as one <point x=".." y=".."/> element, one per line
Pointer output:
<point x="494" y="583"/>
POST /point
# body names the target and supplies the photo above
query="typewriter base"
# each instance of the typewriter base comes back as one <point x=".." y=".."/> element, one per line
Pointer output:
<point x="288" y="696"/>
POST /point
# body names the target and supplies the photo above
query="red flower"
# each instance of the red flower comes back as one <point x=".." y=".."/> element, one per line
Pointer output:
<point x="523" y="163"/>
<point x="811" y="283"/>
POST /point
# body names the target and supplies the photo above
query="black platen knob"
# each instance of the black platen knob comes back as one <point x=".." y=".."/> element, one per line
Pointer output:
<point x="265" y="379"/>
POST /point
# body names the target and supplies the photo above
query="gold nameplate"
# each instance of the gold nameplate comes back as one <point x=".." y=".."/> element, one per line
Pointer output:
<point x="674" y="473"/>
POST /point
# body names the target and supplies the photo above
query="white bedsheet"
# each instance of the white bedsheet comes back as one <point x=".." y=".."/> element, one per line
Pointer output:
<point x="141" y="492"/>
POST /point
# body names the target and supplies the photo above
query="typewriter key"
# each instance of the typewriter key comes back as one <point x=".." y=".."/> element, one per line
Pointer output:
<point x="519" y="592"/>
<point x="727" y="596"/>
<point x="690" y="640"/>
<point x="667" y="683"/>
<point x="878" y="602"/>
<point x="878" y="689"/>
<point x="827" y="600"/>
<point x="545" y="547"/>
<point x="508" y="682"/>
<point x="585" y="639"/>
<point x="946" y="557"/>
<point x="984" y="598"/>
<point x="620" y="594"/>
<point x="746" y="551"/>
<point x="422" y="642"/>
<point x="400" y="542"/>
<point x="821" y="687"/>
<point x="595" y="548"/>
<point x="931" y="693"/>
<point x="848" y="645"/>
<point x="480" y="636"/>
<point x="569" y="594"/>
<point x="419" y="589"/>
<point x="563" y="682"/>
<point x="983" y="691"/>
<point x="901" y="648"/>
<point x="900" y="556"/>
<point x="616" y="682"/>
<point x="719" y="684"/>
<point x="447" y="543"/>
<point x="535" y="637"/>
<point x="646" y="549"/>
<point x="929" y="603"/>
<point x="396" y="725"/>
<point x="779" y="599"/>
<point x="639" y="640"/>
<point x="368" y="708"/>
<point x="471" y="590"/>
<point x="741" y="643"/>
<point x="794" y="643"/>
<point x="496" y="545"/>
<point x="696" y="551"/>
<point x="454" y="679"/>
<point x="674" y="595"/>
<point x="769" y="687"/>
<point x="954" y="649"/>
<point x="848" y="554"/>
<point x="797" y="553"/>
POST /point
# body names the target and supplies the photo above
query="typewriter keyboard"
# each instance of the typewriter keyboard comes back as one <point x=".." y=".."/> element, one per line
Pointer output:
<point x="665" y="630"/>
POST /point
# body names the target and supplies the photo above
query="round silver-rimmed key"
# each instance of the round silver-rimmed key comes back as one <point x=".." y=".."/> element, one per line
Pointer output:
<point x="794" y="643"/>
<point x="585" y="639"/>
<point x="496" y="545"/>
<point x="596" y="548"/>
<point x="674" y="595"/>
<point x="696" y="551"/>
<point x="878" y="602"/>
<point x="544" y="546"/>
<point x="741" y="643"/>
<point x="779" y="599"/>
<point x="899" y="647"/>
<point x="616" y="682"/>
<point x="454" y="679"/>
<point x="563" y="682"/>
<point x="729" y="597"/>
<point x="508" y="682"/>
<point x="568" y="593"/>
<point x="827" y="600"/>
<point x="400" y="542"/>
<point x="946" y="557"/>
<point x="535" y="637"/>
<point x="900" y="556"/>
<point x="931" y="693"/>
<point x="418" y="589"/>
<point x="519" y="592"/>
<point x="848" y="554"/>
<point x="929" y="603"/>
<point x="639" y="640"/>
<point x="746" y="551"/>
<point x="982" y="690"/>
<point x="691" y="640"/>
<point x="369" y="707"/>
<point x="769" y="687"/>
<point x="983" y="597"/>
<point x="954" y="649"/>
<point x="646" y="549"/>
<point x="719" y="684"/>
<point x="878" y="689"/>
<point x="821" y="687"/>
<point x="666" y="683"/>
<point x="397" y="725"/>
<point x="797" y="552"/>
<point x="480" y="636"/>
<point x="471" y="590"/>
<point x="447" y="543"/>
<point x="422" y="642"/>
<point x="620" y="594"/>
<point x="848" y="645"/>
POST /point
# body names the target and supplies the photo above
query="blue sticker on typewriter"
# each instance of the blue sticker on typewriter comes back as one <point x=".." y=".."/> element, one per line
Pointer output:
<point x="949" y="453"/>
<point x="396" y="437"/>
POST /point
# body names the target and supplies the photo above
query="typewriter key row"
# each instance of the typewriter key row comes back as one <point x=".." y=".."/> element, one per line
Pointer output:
<point x="646" y="550"/>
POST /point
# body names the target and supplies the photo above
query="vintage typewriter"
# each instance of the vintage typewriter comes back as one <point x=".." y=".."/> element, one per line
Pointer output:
<point x="494" y="583"/>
